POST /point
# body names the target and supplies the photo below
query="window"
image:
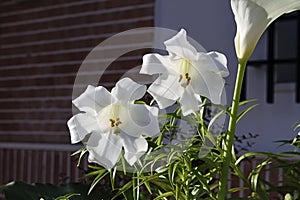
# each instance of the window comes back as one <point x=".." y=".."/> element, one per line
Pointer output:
<point x="282" y="55"/>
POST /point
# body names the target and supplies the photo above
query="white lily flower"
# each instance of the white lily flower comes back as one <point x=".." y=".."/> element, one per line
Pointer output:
<point x="252" y="19"/>
<point x="110" y="121"/>
<point x="185" y="74"/>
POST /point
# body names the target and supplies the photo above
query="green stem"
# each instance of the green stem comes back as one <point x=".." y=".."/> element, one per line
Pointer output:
<point x="231" y="131"/>
<point x="134" y="188"/>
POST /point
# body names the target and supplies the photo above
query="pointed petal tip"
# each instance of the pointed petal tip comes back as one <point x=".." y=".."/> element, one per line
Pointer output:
<point x="104" y="149"/>
<point x="180" y="46"/>
<point x="104" y="163"/>
<point x="127" y="90"/>
<point x="134" y="147"/>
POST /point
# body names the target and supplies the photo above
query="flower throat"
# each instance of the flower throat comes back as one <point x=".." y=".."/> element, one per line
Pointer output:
<point x="115" y="120"/>
<point x="184" y="72"/>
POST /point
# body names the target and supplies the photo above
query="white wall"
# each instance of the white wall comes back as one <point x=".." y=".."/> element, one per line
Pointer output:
<point x="211" y="23"/>
<point x="275" y="121"/>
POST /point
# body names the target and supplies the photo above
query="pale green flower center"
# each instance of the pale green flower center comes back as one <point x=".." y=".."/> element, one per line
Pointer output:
<point x="115" y="120"/>
<point x="184" y="77"/>
<point x="111" y="113"/>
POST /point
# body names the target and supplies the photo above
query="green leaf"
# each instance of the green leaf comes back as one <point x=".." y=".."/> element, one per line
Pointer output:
<point x="174" y="171"/>
<point x="81" y="151"/>
<point x="113" y="177"/>
<point x="162" y="185"/>
<point x="247" y="101"/>
<point x="222" y="108"/>
<point x="94" y="173"/>
<point x="99" y="177"/>
<point x="250" y="154"/>
<point x="237" y="189"/>
<point x="253" y="176"/>
<point x="244" y="112"/>
<point x="239" y="173"/>
<point x="123" y="189"/>
<point x="147" y="185"/>
<point x="75" y="191"/>
<point x="164" y="195"/>
<point x="262" y="191"/>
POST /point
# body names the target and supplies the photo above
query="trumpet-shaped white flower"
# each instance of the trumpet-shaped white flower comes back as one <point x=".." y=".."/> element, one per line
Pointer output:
<point x="253" y="17"/>
<point x="185" y="74"/>
<point x="110" y="121"/>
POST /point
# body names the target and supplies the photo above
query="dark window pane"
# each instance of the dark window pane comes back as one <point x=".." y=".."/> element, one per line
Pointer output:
<point x="285" y="73"/>
<point x="285" y="39"/>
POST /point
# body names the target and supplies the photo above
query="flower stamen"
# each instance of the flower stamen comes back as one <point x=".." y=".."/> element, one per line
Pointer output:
<point x="188" y="78"/>
<point x="112" y="122"/>
<point x="118" y="123"/>
<point x="180" y="78"/>
<point x="115" y="123"/>
<point x="114" y="119"/>
<point x="184" y="69"/>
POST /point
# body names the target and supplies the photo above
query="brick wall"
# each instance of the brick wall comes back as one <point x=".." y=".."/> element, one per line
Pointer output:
<point x="40" y="163"/>
<point x="43" y="44"/>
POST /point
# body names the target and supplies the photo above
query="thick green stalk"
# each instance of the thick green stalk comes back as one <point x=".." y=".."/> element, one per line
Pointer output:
<point x="231" y="130"/>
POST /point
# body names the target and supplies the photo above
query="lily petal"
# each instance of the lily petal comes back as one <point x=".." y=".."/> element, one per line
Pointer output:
<point x="220" y="62"/>
<point x="81" y="125"/>
<point x="134" y="148"/>
<point x="93" y="99"/>
<point x="138" y="119"/>
<point x="180" y="46"/>
<point x="126" y="90"/>
<point x="189" y="102"/>
<point x="103" y="118"/>
<point x="154" y="63"/>
<point x="166" y="89"/>
<point x="185" y="66"/>
<point x="152" y="130"/>
<point x="107" y="117"/>
<point x="104" y="149"/>
<point x="162" y="102"/>
<point x="253" y="17"/>
<point x="207" y="81"/>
